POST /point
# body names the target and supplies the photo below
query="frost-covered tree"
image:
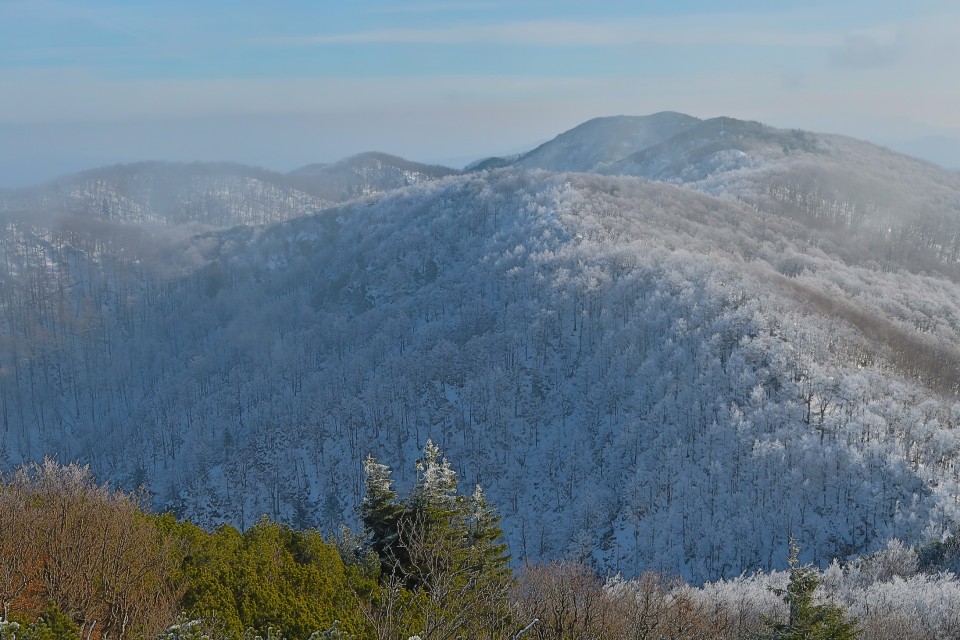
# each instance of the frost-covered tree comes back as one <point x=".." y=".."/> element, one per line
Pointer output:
<point x="435" y="492"/>
<point x="380" y="512"/>
<point x="443" y="547"/>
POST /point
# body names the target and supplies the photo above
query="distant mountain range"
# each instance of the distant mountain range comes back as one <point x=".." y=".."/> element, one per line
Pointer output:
<point x="217" y="194"/>
<point x="657" y="342"/>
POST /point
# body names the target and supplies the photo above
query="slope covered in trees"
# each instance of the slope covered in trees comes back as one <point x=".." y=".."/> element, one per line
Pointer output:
<point x="891" y="209"/>
<point x="211" y="195"/>
<point x="82" y="560"/>
<point x="637" y="373"/>
<point x="363" y="174"/>
<point x="167" y="194"/>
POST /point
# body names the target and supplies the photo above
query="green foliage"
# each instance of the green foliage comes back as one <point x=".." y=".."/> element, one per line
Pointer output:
<point x="380" y="512"/>
<point x="9" y="630"/>
<point x="52" y="624"/>
<point x="444" y="565"/>
<point x="807" y="620"/>
<point x="269" y="581"/>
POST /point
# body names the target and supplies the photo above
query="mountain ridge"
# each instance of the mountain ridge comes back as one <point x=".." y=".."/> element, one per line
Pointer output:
<point x="618" y="136"/>
<point x="638" y="372"/>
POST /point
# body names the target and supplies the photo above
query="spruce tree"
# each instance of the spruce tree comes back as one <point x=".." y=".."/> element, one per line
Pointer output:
<point x="807" y="620"/>
<point x="485" y="534"/>
<point x="435" y="492"/>
<point x="380" y="512"/>
<point x="445" y="548"/>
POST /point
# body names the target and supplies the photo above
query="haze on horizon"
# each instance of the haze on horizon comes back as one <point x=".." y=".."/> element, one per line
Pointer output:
<point x="101" y="82"/>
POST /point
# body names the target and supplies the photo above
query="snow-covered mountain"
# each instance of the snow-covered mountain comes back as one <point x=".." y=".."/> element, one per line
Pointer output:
<point x="643" y="374"/>
<point x="363" y="174"/>
<point x="872" y="195"/>
<point x="216" y="195"/>
<point x="714" y="147"/>
<point x="598" y="143"/>
<point x="168" y="194"/>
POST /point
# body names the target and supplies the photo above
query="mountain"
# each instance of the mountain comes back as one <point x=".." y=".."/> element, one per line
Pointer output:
<point x="363" y="174"/>
<point x="216" y="195"/>
<point x="879" y="198"/>
<point x="893" y="206"/>
<point x="493" y="162"/>
<point x="601" y="141"/>
<point x="714" y="147"/>
<point x="642" y="374"/>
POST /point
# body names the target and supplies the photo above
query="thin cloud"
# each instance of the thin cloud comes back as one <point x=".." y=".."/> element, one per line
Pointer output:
<point x="438" y="7"/>
<point x="865" y="52"/>
<point x="565" y="34"/>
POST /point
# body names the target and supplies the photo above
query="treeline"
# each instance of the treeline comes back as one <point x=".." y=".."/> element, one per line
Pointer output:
<point x="81" y="560"/>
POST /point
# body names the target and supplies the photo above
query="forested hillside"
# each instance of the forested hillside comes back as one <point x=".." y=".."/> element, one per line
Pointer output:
<point x="213" y="195"/>
<point x="362" y="175"/>
<point x="83" y="560"/>
<point x="638" y="373"/>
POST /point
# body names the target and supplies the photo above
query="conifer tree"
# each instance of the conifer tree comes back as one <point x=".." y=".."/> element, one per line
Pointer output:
<point x="485" y="534"/>
<point x="445" y="548"/>
<point x="436" y="489"/>
<point x="380" y="512"/>
<point x="807" y="620"/>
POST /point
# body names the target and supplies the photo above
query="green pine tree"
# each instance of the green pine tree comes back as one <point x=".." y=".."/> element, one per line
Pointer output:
<point x="380" y="512"/>
<point x="444" y="548"/>
<point x="485" y="534"/>
<point x="807" y="620"/>
<point x="52" y="624"/>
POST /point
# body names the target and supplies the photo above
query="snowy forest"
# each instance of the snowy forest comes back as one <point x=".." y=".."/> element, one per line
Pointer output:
<point x="83" y="560"/>
<point x="660" y="344"/>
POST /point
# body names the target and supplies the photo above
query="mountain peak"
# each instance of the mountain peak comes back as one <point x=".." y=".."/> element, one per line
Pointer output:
<point x="604" y="140"/>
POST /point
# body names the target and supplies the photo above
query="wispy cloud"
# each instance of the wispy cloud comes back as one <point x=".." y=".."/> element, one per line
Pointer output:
<point x="109" y="67"/>
<point x="560" y="101"/>
<point x="438" y="7"/>
<point x="865" y="52"/>
<point x="568" y="33"/>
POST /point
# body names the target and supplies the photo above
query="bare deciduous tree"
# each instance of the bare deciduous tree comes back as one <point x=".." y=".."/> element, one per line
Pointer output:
<point x="88" y="549"/>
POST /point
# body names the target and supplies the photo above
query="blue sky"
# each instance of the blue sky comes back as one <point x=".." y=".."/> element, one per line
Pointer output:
<point x="287" y="83"/>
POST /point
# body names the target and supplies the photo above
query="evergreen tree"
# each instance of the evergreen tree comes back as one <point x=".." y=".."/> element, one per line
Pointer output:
<point x="488" y="558"/>
<point x="436" y="489"/>
<point x="485" y="535"/>
<point x="807" y="620"/>
<point x="380" y="512"/>
<point x="444" y="548"/>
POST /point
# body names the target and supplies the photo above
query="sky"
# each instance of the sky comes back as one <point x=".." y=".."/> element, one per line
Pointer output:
<point x="283" y="84"/>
